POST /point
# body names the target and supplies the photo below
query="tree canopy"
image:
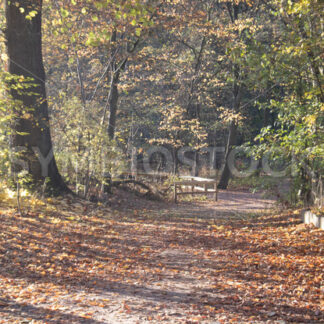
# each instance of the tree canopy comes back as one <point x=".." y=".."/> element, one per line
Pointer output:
<point x="122" y="76"/>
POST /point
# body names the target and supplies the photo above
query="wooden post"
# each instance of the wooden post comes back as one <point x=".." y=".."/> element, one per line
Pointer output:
<point x="175" y="194"/>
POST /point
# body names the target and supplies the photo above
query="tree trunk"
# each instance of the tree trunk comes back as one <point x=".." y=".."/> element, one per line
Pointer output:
<point x="32" y="132"/>
<point x="113" y="105"/>
<point x="226" y="174"/>
<point x="116" y="69"/>
<point x="195" y="169"/>
<point x="175" y="161"/>
<point x="232" y="136"/>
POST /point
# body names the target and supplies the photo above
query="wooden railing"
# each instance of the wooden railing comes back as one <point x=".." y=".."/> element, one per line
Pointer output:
<point x="197" y="186"/>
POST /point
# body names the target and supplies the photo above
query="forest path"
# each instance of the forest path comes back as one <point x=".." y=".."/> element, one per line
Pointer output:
<point x="230" y="204"/>
<point x="70" y="261"/>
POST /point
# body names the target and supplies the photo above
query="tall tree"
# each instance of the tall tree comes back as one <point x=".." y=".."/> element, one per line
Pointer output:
<point x="30" y="131"/>
<point x="233" y="10"/>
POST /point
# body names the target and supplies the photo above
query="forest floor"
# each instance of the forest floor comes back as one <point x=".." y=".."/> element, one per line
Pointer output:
<point x="239" y="260"/>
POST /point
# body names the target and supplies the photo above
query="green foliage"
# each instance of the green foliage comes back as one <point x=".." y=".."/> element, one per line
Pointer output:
<point x="9" y="110"/>
<point x="298" y="132"/>
<point x="84" y="151"/>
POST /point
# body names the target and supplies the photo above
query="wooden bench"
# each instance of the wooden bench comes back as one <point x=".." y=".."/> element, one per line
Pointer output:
<point x="198" y="186"/>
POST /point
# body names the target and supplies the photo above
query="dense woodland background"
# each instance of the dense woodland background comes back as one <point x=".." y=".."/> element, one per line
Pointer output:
<point x="107" y="83"/>
<point x="127" y="75"/>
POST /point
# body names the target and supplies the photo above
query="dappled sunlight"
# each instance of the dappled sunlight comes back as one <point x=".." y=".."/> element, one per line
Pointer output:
<point x="65" y="265"/>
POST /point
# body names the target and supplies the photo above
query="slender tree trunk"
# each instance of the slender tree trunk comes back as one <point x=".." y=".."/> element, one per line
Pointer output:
<point x="113" y="105"/>
<point x="195" y="169"/>
<point x="116" y="69"/>
<point x="226" y="174"/>
<point x="232" y="136"/>
<point x="113" y="97"/>
<point x="30" y="131"/>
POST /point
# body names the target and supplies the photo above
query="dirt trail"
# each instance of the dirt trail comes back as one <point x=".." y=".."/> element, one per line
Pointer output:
<point x="148" y="262"/>
<point x="230" y="203"/>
